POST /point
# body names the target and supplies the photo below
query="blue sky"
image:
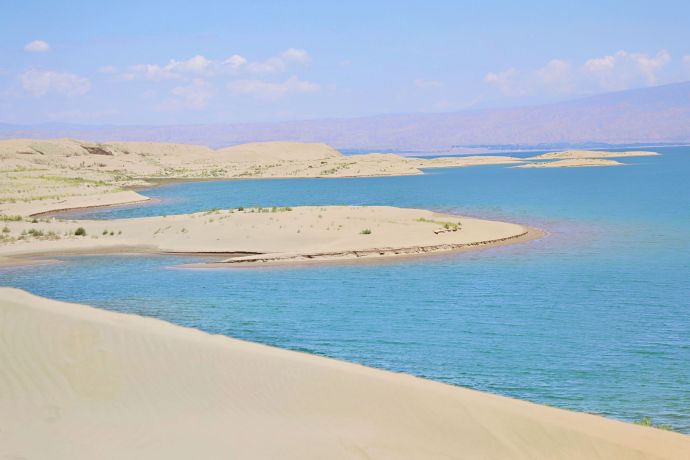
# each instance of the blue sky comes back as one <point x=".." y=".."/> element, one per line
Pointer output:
<point x="212" y="62"/>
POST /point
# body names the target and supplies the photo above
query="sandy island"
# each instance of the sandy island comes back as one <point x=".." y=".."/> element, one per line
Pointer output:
<point x="83" y="383"/>
<point x="263" y="235"/>
<point x="571" y="163"/>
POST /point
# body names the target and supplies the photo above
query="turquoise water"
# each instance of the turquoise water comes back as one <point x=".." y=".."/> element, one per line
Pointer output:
<point x="594" y="317"/>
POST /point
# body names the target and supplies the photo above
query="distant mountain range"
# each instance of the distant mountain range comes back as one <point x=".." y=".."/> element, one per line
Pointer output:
<point x="655" y="115"/>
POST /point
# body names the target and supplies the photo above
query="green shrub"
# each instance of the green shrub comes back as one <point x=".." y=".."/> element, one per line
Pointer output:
<point x="647" y="421"/>
<point x="6" y="229"/>
<point x="80" y="232"/>
<point x="366" y="231"/>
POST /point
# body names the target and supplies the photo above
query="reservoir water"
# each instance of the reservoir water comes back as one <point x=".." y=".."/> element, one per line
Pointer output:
<point x="593" y="317"/>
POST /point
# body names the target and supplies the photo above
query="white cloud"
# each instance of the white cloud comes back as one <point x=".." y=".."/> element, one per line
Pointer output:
<point x="426" y="84"/>
<point x="686" y="60"/>
<point x="199" y="65"/>
<point x="506" y="81"/>
<point x="557" y="76"/>
<point x="619" y="71"/>
<point x="235" y="61"/>
<point x="281" y="62"/>
<point x="271" y="90"/>
<point x="174" y="69"/>
<point x="623" y="69"/>
<point x="37" y="46"/>
<point x="42" y="82"/>
<point x="297" y="55"/>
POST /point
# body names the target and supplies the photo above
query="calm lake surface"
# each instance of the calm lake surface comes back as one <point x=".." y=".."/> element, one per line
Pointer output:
<point x="594" y="317"/>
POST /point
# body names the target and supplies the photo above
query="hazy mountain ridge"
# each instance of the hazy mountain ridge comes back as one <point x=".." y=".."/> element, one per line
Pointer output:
<point x="649" y="115"/>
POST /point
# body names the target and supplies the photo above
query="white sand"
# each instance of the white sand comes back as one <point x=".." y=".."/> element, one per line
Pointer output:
<point x="584" y="154"/>
<point x="82" y="383"/>
<point x="571" y="163"/>
<point x="36" y="176"/>
<point x="276" y="234"/>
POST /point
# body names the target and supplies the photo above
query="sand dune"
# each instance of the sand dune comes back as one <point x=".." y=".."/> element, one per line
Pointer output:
<point x="264" y="234"/>
<point x="82" y="383"/>
<point x="36" y="176"/>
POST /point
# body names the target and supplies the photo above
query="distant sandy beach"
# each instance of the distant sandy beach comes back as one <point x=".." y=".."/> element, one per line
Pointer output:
<point x="42" y="176"/>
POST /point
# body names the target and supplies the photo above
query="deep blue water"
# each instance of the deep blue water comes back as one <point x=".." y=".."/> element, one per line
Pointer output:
<point x="594" y="317"/>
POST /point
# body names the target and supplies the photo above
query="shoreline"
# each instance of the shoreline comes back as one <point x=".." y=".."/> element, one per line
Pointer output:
<point x="261" y="236"/>
<point x="374" y="255"/>
<point x="146" y="388"/>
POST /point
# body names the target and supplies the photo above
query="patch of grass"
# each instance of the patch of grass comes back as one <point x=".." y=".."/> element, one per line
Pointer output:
<point x="445" y="224"/>
<point x="335" y="169"/>
<point x="241" y="208"/>
<point x="52" y="236"/>
<point x="6" y="229"/>
<point x="35" y="233"/>
<point x="5" y="218"/>
<point x="80" y="231"/>
<point x="647" y="421"/>
<point x="366" y="231"/>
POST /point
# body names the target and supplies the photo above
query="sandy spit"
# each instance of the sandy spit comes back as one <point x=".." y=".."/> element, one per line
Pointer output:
<point x="585" y="154"/>
<point x="82" y="383"/>
<point x="262" y="235"/>
<point x="571" y="163"/>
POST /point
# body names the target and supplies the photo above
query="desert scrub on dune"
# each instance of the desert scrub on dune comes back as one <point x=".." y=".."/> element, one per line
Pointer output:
<point x="80" y="231"/>
<point x="335" y="169"/>
<point x="647" y="421"/>
<point x="445" y="224"/>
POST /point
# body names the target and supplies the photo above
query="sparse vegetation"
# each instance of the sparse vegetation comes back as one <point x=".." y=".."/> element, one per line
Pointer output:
<point x="11" y="218"/>
<point x="80" y="231"/>
<point x="647" y="421"/>
<point x="445" y="224"/>
<point x="6" y="229"/>
<point x="366" y="231"/>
